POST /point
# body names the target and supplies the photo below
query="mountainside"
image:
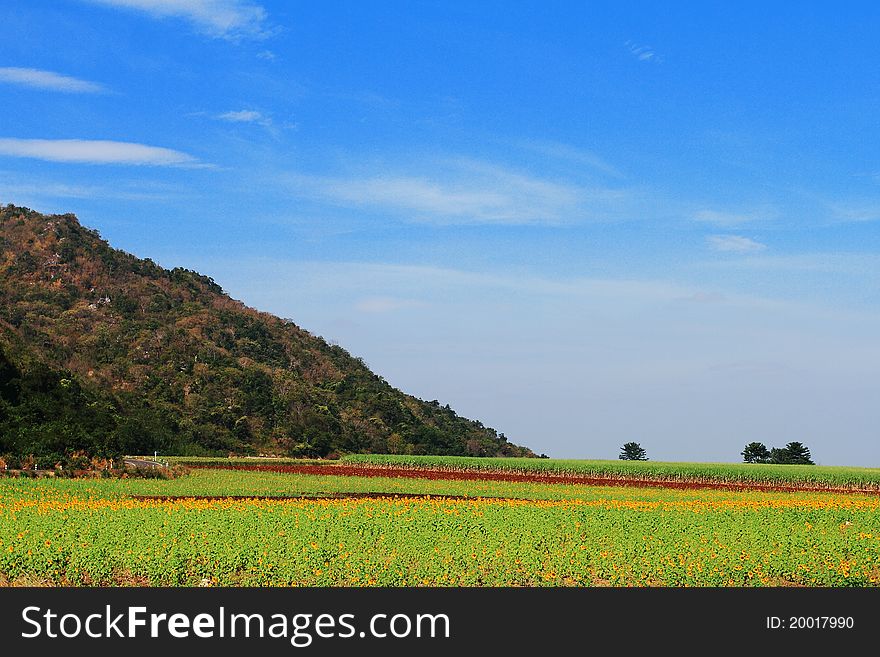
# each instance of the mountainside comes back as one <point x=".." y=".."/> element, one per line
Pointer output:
<point x="103" y="350"/>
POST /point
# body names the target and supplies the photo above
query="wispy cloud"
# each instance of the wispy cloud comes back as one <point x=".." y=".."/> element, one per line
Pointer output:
<point x="703" y="297"/>
<point x="228" y="19"/>
<point x="856" y="212"/>
<point x="643" y="53"/>
<point x="863" y="265"/>
<point x="48" y="80"/>
<point x="734" y="244"/>
<point x="380" y="287"/>
<point x="15" y="189"/>
<point x="374" y="305"/>
<point x="725" y="218"/>
<point x="246" y="116"/>
<point x="464" y="191"/>
<point x="96" y="152"/>
<point x="579" y="156"/>
<point x="254" y="117"/>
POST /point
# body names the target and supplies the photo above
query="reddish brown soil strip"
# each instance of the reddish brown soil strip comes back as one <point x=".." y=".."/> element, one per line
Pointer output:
<point x="537" y="477"/>
<point x="317" y="496"/>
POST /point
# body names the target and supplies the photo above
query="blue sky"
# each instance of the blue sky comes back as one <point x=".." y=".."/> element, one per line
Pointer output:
<point x="583" y="223"/>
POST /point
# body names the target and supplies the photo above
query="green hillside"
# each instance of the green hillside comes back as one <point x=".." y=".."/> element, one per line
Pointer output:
<point x="103" y="351"/>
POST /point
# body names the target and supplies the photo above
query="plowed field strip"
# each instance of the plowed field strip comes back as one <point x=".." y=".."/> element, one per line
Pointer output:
<point x="464" y="475"/>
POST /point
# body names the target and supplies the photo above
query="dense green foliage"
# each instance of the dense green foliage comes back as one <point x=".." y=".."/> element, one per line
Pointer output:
<point x="44" y="413"/>
<point x="756" y="453"/>
<point x="794" y="453"/>
<point x="632" y="452"/>
<point x="47" y="418"/>
<point x="835" y="476"/>
<point x="115" y="352"/>
<point x="204" y="461"/>
<point x="79" y="532"/>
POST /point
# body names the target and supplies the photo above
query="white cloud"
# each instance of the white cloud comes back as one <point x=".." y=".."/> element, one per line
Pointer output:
<point x="229" y="19"/>
<point x="242" y="116"/>
<point x="734" y="244"/>
<point x="384" y="304"/>
<point x="381" y="287"/>
<point x="246" y="116"/>
<point x="32" y="77"/>
<point x="95" y="152"/>
<point x="643" y="53"/>
<point x="423" y="198"/>
<point x="15" y="188"/>
<point x="576" y="155"/>
<point x="848" y="264"/>
<point x="856" y="212"/>
<point x="724" y="218"/>
<point x="465" y="191"/>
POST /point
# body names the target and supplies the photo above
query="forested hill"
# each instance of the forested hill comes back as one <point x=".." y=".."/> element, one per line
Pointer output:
<point x="103" y="351"/>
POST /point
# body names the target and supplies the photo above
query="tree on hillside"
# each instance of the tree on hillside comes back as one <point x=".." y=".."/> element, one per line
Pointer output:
<point x="633" y="452"/>
<point x="756" y="453"/>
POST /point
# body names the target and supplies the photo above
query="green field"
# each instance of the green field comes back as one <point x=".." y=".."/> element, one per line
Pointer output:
<point x="835" y="476"/>
<point x="91" y="532"/>
<point x="210" y="482"/>
<point x="205" y="461"/>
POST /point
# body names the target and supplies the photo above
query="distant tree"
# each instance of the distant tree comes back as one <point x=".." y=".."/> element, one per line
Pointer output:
<point x="794" y="453"/>
<point x="756" y="453"/>
<point x="633" y="452"/>
<point x="778" y="455"/>
<point x="798" y="454"/>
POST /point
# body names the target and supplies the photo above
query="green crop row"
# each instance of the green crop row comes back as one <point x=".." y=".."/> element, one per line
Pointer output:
<point x="205" y="461"/>
<point x="222" y="483"/>
<point x="847" y="477"/>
